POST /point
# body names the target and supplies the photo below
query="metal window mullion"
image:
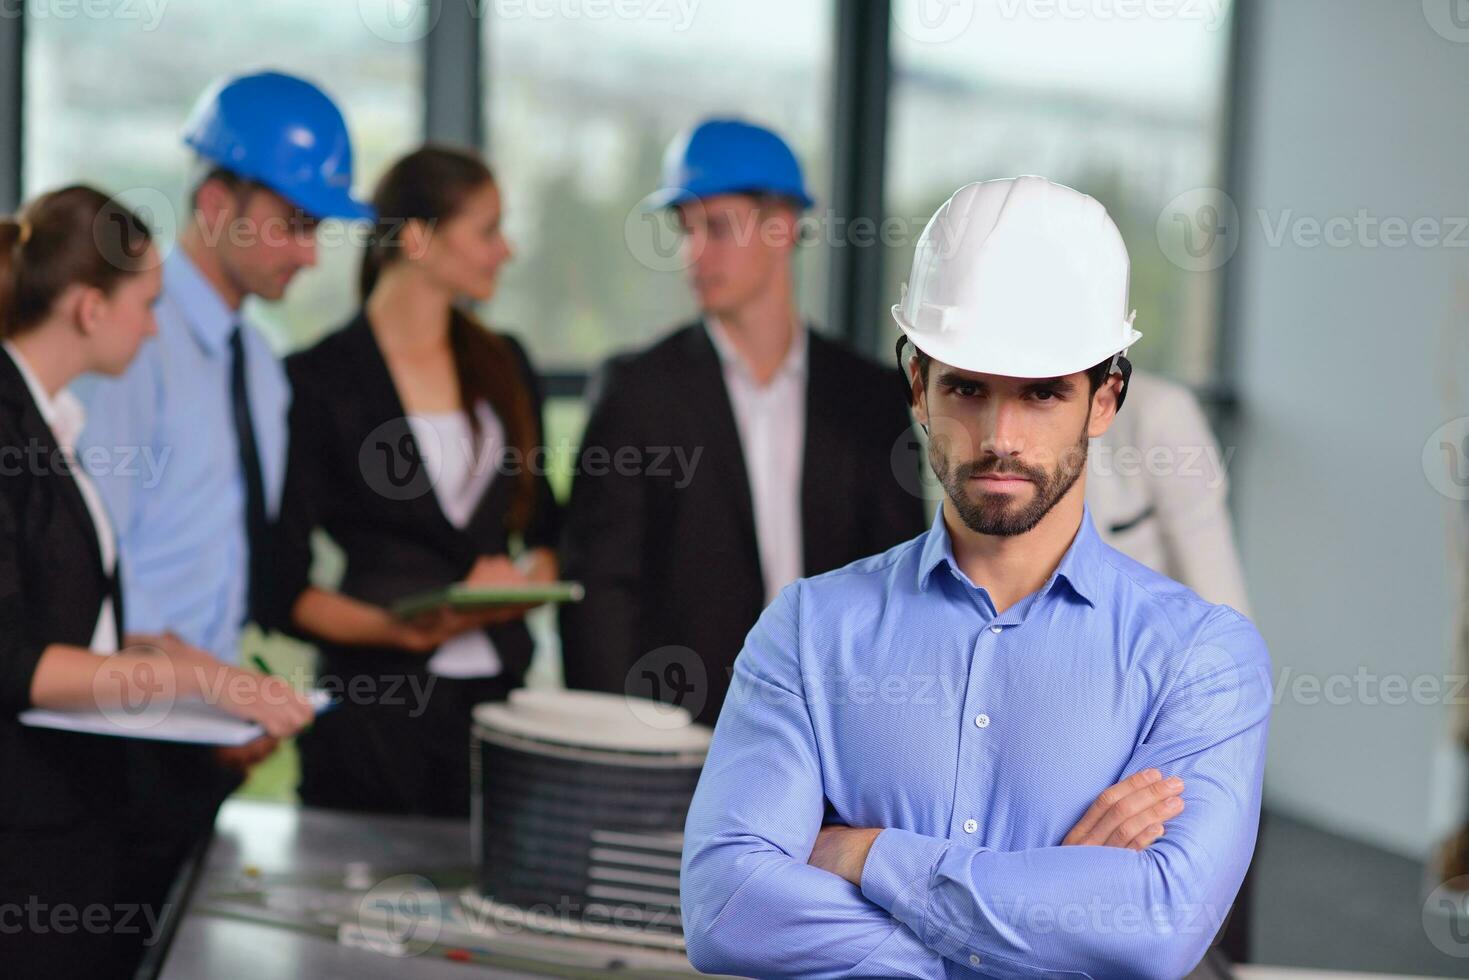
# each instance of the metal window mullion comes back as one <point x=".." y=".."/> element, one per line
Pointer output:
<point x="12" y="106"/>
<point x="1234" y="142"/>
<point x="858" y="160"/>
<point x="453" y="89"/>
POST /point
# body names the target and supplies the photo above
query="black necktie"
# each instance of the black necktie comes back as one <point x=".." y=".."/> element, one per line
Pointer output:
<point x="257" y="527"/>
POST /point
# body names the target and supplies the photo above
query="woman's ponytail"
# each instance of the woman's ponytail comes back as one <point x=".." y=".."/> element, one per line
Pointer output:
<point x="14" y="232"/>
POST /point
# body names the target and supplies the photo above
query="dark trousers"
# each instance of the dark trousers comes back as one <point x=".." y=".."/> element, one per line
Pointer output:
<point x="175" y="793"/>
<point x="403" y="754"/>
<point x="64" y="912"/>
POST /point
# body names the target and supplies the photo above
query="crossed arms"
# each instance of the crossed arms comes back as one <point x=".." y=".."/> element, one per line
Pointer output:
<point x="902" y="903"/>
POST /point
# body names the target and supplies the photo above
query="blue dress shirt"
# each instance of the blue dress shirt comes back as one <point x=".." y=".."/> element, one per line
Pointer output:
<point x="890" y="694"/>
<point x="160" y="444"/>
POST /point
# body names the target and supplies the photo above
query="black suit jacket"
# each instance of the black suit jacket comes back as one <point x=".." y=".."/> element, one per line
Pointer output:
<point x="51" y="590"/>
<point x="669" y="561"/>
<point x="352" y="473"/>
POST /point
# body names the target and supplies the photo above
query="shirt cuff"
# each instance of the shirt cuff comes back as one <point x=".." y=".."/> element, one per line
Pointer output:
<point x="898" y="871"/>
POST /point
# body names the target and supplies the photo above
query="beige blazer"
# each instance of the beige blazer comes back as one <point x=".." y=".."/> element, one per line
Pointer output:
<point x="1157" y="486"/>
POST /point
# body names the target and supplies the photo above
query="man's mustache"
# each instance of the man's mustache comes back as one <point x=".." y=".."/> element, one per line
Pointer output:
<point x="996" y="467"/>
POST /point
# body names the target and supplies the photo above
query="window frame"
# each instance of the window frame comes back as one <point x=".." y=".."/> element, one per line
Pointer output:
<point x="453" y="100"/>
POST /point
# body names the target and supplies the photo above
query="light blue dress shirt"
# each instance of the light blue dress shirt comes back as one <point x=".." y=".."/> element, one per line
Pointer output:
<point x="889" y="694"/>
<point x="160" y="444"/>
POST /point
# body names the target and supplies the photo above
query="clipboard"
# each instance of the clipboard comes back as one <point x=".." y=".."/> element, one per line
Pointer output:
<point x="194" y="722"/>
<point x="468" y="598"/>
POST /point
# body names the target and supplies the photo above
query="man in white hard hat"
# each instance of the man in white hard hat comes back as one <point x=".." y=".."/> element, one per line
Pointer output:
<point x="913" y="743"/>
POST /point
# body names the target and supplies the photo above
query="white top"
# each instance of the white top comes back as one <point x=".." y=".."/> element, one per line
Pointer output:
<point x="461" y="470"/>
<point x="771" y="419"/>
<point x="65" y="417"/>
<point x="1159" y="476"/>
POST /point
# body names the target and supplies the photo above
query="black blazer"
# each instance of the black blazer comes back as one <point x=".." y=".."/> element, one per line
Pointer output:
<point x="51" y="590"/>
<point x="353" y="472"/>
<point x="674" y="561"/>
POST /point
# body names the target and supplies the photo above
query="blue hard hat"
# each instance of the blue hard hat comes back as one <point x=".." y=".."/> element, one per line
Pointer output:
<point x="283" y="132"/>
<point x="729" y="156"/>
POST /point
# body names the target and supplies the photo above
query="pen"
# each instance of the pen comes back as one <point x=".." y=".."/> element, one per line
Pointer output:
<point x="264" y="668"/>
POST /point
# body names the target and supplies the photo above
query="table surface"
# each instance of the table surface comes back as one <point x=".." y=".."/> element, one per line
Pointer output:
<point x="292" y="863"/>
<point x="293" y="856"/>
<point x="1298" y="973"/>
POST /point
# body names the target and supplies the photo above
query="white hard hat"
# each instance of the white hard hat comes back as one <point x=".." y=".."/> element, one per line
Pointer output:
<point x="1021" y="277"/>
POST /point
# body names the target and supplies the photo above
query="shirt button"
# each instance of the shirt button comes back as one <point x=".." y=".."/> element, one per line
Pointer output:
<point x="982" y="721"/>
<point x="974" y="959"/>
<point x="994" y="629"/>
<point x="970" y="826"/>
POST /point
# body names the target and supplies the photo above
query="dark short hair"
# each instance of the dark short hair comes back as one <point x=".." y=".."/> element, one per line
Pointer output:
<point x="232" y="181"/>
<point x="767" y="200"/>
<point x="1096" y="375"/>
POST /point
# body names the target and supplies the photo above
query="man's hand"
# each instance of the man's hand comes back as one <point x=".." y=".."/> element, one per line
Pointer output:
<point x="842" y="850"/>
<point x="1130" y="814"/>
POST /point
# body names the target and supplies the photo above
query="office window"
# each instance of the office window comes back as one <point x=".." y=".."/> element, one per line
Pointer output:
<point x="106" y="99"/>
<point x="1122" y="101"/>
<point x="582" y="99"/>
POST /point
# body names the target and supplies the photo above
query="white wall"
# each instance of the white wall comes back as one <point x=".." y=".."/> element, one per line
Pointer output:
<point x="1349" y="358"/>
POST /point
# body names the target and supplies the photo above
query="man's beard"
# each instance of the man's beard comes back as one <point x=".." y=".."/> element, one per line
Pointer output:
<point x="1001" y="514"/>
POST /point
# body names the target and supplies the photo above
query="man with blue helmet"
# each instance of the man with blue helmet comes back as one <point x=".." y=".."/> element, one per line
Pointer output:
<point x="800" y="450"/>
<point x="207" y="401"/>
<point x="273" y="159"/>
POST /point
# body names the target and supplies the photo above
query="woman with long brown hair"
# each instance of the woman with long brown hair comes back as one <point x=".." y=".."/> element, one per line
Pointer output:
<point x="78" y="278"/>
<point x="416" y="445"/>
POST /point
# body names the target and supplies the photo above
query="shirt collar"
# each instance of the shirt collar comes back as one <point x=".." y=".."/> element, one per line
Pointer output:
<point x="795" y="359"/>
<point x="1077" y="568"/>
<point x="206" y="313"/>
<point x="62" y="413"/>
